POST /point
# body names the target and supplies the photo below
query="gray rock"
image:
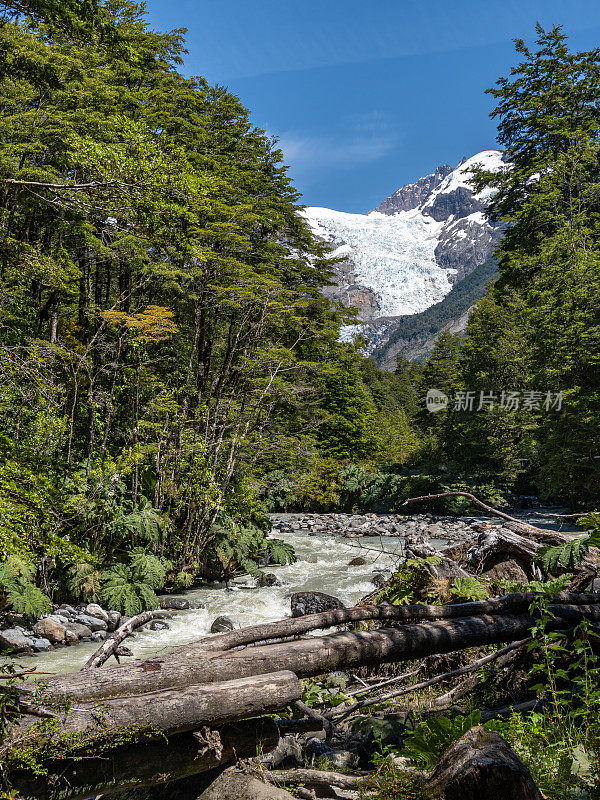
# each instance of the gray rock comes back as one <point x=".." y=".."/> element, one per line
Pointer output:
<point x="93" y="623"/>
<point x="287" y="755"/>
<point x="114" y="620"/>
<point x="174" y="603"/>
<point x="158" y="625"/>
<point x="94" y="610"/>
<point x="378" y="580"/>
<point x="40" y="645"/>
<point x="271" y="580"/>
<point x="232" y="785"/>
<point x="15" y="640"/>
<point x="222" y="624"/>
<point x="98" y="636"/>
<point x="81" y="631"/>
<point x="313" y="603"/>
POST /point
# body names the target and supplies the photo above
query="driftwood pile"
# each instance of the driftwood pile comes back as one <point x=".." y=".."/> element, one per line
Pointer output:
<point x="184" y="710"/>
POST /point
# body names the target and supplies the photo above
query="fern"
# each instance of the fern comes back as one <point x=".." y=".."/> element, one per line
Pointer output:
<point x="123" y="592"/>
<point x="29" y="600"/>
<point x="147" y="568"/>
<point x="18" y="590"/>
<point x="568" y="555"/>
<point x="470" y="589"/>
<point x="84" y="582"/>
<point x="425" y="744"/>
<point x="183" y="580"/>
<point x="144" y="523"/>
<point x="281" y="552"/>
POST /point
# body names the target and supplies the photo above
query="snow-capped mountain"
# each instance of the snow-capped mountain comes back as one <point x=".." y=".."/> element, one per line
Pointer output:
<point x="406" y="254"/>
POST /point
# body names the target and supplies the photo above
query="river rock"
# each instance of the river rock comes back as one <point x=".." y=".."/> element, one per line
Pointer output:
<point x="174" y="603"/>
<point x="158" y="625"/>
<point x="40" y="645"/>
<point x="378" y="580"/>
<point x="98" y="636"/>
<point x="81" y="631"/>
<point x="114" y="619"/>
<point x="71" y="637"/>
<point x="359" y="561"/>
<point x="222" y="624"/>
<point x="271" y="580"/>
<point x="49" y="629"/>
<point x="14" y="640"/>
<point x="94" y="610"/>
<point x="93" y="623"/>
<point x="313" y="603"/>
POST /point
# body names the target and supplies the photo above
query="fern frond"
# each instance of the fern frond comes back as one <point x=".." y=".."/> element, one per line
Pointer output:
<point x="281" y="552"/>
<point x="147" y="568"/>
<point x="569" y="555"/>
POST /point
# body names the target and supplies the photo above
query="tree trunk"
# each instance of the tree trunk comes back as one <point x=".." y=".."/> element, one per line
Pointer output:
<point x="481" y="766"/>
<point x="175" y="710"/>
<point x="148" y="764"/>
<point x="309" y="656"/>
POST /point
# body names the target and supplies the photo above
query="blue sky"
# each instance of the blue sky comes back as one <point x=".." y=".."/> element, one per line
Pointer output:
<point x="366" y="97"/>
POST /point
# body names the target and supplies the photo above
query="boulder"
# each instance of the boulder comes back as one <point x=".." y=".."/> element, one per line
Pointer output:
<point x="114" y="620"/>
<point x="15" y="641"/>
<point x="480" y="766"/>
<point x="94" y="610"/>
<point x="222" y="624"/>
<point x="271" y="580"/>
<point x="48" y="628"/>
<point x="287" y="755"/>
<point x="81" y="631"/>
<point x="158" y="625"/>
<point x="93" y="623"/>
<point x="98" y="636"/>
<point x="232" y="785"/>
<point x="174" y="603"/>
<point x="71" y="638"/>
<point x="359" y="561"/>
<point x="40" y="645"/>
<point x="313" y="603"/>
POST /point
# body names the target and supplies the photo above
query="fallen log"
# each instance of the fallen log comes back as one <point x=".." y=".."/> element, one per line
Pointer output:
<point x="541" y="534"/>
<point x="312" y="655"/>
<point x="150" y="764"/>
<point x="338" y="715"/>
<point x="290" y="628"/>
<point x="479" y="766"/>
<point x="172" y="711"/>
<point x="315" y="778"/>
<point x="110" y="645"/>
<point x="503" y="541"/>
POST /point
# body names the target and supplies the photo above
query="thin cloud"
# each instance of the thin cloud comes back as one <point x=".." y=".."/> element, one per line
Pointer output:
<point x="369" y="138"/>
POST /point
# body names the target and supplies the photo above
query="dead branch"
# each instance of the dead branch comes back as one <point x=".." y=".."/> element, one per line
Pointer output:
<point x="431" y="682"/>
<point x="109" y="646"/>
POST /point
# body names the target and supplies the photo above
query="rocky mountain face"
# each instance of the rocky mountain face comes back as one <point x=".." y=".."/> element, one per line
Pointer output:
<point x="407" y="254"/>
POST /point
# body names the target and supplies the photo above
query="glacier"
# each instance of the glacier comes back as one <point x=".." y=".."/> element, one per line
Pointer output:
<point x="399" y="256"/>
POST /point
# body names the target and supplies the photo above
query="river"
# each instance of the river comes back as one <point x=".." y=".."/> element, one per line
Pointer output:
<point x="322" y="565"/>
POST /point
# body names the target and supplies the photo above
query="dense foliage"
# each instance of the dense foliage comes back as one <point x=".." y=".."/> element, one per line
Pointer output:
<point x="538" y="329"/>
<point x="163" y="338"/>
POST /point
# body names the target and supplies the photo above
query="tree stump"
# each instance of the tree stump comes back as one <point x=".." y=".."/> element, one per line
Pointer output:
<point x="481" y="766"/>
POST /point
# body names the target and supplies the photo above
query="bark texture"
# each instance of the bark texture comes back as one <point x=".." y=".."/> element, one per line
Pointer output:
<point x="481" y="766"/>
